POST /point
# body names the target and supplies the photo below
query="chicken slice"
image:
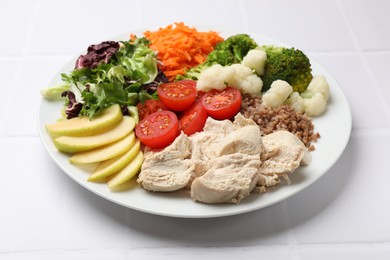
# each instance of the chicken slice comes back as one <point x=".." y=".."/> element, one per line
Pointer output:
<point x="241" y="121"/>
<point x="199" y="157"/>
<point x="231" y="179"/>
<point x="169" y="169"/>
<point x="202" y="141"/>
<point x="218" y="127"/>
<point x="266" y="181"/>
<point x="245" y="140"/>
<point x="282" y="153"/>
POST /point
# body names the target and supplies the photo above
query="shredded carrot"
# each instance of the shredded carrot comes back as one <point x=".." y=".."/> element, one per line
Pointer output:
<point x="180" y="47"/>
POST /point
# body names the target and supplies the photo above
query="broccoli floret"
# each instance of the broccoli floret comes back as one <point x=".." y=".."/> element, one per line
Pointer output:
<point x="193" y="73"/>
<point x="232" y="50"/>
<point x="288" y="64"/>
<point x="222" y="57"/>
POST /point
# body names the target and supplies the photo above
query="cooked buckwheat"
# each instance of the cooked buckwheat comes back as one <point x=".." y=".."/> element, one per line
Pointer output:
<point x="282" y="118"/>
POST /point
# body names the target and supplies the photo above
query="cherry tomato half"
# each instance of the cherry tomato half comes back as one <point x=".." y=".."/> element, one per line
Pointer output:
<point x="222" y="104"/>
<point x="158" y="130"/>
<point x="194" y="119"/>
<point x="179" y="95"/>
<point x="149" y="107"/>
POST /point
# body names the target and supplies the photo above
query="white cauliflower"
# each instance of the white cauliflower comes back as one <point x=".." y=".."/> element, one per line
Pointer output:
<point x="277" y="94"/>
<point x="316" y="96"/>
<point x="215" y="77"/>
<point x="236" y="75"/>
<point x="255" y="59"/>
<point x="318" y="84"/>
<point x="245" y="80"/>
<point x="296" y="102"/>
<point x="315" y="105"/>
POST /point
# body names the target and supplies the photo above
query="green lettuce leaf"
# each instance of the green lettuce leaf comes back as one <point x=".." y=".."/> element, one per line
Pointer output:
<point x="117" y="82"/>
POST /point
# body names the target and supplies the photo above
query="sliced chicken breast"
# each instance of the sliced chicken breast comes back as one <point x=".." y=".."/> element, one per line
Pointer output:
<point x="282" y="153"/>
<point x="231" y="179"/>
<point x="169" y="169"/>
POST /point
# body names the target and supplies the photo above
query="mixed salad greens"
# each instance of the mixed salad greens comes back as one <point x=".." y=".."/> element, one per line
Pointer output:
<point x="123" y="73"/>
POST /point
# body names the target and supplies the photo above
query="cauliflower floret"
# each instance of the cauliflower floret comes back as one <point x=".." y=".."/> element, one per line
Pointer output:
<point x="318" y="84"/>
<point x="236" y="75"/>
<point x="215" y="77"/>
<point x="316" y="96"/>
<point x="255" y="59"/>
<point x="277" y="94"/>
<point x="245" y="80"/>
<point x="296" y="102"/>
<point x="315" y="105"/>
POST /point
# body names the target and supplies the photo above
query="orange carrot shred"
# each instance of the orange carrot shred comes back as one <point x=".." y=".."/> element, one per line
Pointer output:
<point x="180" y="47"/>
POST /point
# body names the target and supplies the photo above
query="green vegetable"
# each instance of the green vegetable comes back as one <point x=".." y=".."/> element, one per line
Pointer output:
<point x="193" y="73"/>
<point x="54" y="93"/>
<point x="133" y="112"/>
<point x="232" y="50"/>
<point x="228" y="52"/>
<point x="288" y="64"/>
<point x="116" y="81"/>
<point x="223" y="57"/>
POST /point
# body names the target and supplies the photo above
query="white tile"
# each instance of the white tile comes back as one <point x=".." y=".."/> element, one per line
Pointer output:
<point x="34" y="75"/>
<point x="356" y="252"/>
<point x="43" y="209"/>
<point x="28" y="199"/>
<point x="9" y="83"/>
<point x="272" y="252"/>
<point x="369" y="22"/>
<point x="263" y="227"/>
<point x="360" y="89"/>
<point x="70" y="27"/>
<point x="209" y="14"/>
<point x="90" y="22"/>
<point x="16" y="21"/>
<point x="350" y="203"/>
<point x="379" y="64"/>
<point x="95" y="254"/>
<point x="304" y="24"/>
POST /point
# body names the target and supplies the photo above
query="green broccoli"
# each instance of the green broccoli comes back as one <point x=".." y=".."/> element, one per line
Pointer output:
<point x="193" y="73"/>
<point x="230" y="51"/>
<point x="288" y="64"/>
<point x="222" y="57"/>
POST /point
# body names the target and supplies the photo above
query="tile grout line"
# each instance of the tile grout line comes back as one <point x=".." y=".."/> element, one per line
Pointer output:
<point x="361" y="245"/>
<point x="349" y="27"/>
<point x="292" y="241"/>
<point x="363" y="59"/>
<point x="376" y="89"/>
<point x="19" y="66"/>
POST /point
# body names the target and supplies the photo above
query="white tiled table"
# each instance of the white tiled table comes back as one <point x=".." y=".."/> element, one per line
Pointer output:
<point x="344" y="215"/>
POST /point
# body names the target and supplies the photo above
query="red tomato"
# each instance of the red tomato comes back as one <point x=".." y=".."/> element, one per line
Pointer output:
<point x="149" y="107"/>
<point x="200" y="94"/>
<point x="222" y="104"/>
<point x="194" y="119"/>
<point x="179" y="95"/>
<point x="188" y="82"/>
<point x="158" y="130"/>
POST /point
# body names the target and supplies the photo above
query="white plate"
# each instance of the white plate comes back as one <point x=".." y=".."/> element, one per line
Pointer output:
<point x="334" y="127"/>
